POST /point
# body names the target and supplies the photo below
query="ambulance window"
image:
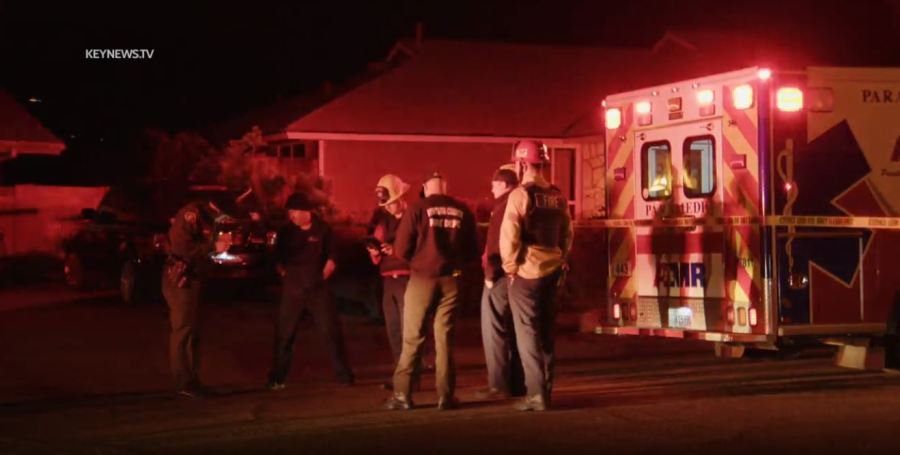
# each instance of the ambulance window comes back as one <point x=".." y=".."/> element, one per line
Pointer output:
<point x="699" y="160"/>
<point x="656" y="178"/>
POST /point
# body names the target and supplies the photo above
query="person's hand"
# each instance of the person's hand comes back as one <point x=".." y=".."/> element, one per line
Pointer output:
<point x="510" y="277"/>
<point x="223" y="243"/>
<point x="387" y="249"/>
<point x="489" y="284"/>
<point x="328" y="270"/>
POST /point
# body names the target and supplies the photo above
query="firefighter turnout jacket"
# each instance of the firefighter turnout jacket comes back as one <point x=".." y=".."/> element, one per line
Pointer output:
<point x="536" y="233"/>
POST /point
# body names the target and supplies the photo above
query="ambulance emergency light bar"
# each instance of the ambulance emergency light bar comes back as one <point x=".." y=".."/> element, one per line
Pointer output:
<point x="787" y="99"/>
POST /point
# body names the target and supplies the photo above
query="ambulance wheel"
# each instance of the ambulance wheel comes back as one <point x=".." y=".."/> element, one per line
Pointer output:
<point x="892" y="337"/>
<point x="729" y="350"/>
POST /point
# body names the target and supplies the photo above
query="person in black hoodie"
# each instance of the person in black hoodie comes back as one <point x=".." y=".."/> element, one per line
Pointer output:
<point x="305" y="257"/>
<point x="437" y="236"/>
<point x="504" y="369"/>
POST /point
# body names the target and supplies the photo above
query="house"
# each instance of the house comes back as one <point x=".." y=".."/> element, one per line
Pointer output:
<point x="32" y="217"/>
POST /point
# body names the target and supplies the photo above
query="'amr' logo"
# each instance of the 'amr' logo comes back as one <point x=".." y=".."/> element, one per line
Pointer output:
<point x="680" y="274"/>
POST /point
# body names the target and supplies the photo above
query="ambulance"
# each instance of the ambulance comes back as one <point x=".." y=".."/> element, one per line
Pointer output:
<point x="753" y="207"/>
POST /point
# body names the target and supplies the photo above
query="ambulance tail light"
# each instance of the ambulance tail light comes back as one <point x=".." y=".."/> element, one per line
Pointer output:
<point x="742" y="316"/>
<point x="613" y="118"/>
<point x="705" y="99"/>
<point x="753" y="317"/>
<point x="742" y="96"/>
<point x="617" y="311"/>
<point x="789" y="99"/>
<point x="632" y="310"/>
<point x="729" y="315"/>
<point x="642" y="110"/>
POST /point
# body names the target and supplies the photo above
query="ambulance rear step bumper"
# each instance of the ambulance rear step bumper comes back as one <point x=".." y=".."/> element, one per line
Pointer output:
<point x="686" y="334"/>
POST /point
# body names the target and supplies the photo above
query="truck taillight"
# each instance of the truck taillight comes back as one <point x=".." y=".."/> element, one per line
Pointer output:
<point x="617" y="311"/>
<point x="729" y="315"/>
<point x="742" y="96"/>
<point x="789" y="99"/>
<point x="642" y="110"/>
<point x="753" y="317"/>
<point x="613" y="118"/>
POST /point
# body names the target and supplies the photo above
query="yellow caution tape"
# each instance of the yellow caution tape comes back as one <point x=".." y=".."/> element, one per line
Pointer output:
<point x="866" y="222"/>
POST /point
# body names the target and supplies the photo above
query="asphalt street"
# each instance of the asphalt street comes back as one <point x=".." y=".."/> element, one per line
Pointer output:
<point x="91" y="377"/>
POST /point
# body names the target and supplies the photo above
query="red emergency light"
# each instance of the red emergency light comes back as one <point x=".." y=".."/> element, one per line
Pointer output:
<point x="742" y="96"/>
<point x="642" y="110"/>
<point x="789" y="99"/>
<point x="613" y="118"/>
<point x="705" y="99"/>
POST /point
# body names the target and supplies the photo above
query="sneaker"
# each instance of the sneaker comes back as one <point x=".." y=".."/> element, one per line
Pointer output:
<point x="275" y="386"/>
<point x="531" y="403"/>
<point x="398" y="402"/>
<point x="491" y="393"/>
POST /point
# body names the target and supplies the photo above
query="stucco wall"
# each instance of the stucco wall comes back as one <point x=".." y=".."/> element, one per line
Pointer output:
<point x="352" y="168"/>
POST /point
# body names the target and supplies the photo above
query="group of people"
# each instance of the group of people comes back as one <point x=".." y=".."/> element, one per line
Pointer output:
<point x="421" y="248"/>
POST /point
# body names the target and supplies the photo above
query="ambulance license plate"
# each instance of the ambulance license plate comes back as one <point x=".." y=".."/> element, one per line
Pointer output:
<point x="680" y="318"/>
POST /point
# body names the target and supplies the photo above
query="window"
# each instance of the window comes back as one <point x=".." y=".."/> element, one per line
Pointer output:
<point x="699" y="162"/>
<point x="656" y="178"/>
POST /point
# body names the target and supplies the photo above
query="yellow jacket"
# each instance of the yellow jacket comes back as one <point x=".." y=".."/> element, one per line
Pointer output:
<point x="537" y="261"/>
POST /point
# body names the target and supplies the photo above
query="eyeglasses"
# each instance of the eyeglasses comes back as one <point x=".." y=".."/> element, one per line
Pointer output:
<point x="382" y="194"/>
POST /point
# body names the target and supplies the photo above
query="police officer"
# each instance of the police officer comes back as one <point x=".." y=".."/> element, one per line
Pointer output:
<point x="504" y="369"/>
<point x="437" y="236"/>
<point x="394" y="270"/>
<point x="304" y="256"/>
<point x="190" y="242"/>
<point x="535" y="238"/>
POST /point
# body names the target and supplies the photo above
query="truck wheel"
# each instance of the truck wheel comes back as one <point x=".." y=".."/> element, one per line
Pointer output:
<point x="73" y="271"/>
<point x="729" y="350"/>
<point x="127" y="281"/>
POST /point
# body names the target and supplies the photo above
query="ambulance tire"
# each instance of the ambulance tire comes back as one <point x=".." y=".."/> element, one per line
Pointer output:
<point x="729" y="350"/>
<point x="892" y="337"/>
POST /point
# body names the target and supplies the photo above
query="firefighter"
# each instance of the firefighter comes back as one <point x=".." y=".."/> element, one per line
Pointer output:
<point x="504" y="369"/>
<point x="394" y="270"/>
<point x="437" y="236"/>
<point x="305" y="260"/>
<point x="535" y="237"/>
<point x="190" y="243"/>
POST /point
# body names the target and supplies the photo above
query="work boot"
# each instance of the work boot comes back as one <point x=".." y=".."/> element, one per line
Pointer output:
<point x="398" y="402"/>
<point x="491" y="393"/>
<point x="195" y="391"/>
<point x="532" y="403"/>
<point x="447" y="403"/>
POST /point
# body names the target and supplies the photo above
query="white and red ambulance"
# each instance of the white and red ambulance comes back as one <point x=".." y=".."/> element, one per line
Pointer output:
<point x="756" y="205"/>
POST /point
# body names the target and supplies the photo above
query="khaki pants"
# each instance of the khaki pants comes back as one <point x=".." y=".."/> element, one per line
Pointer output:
<point x="422" y="294"/>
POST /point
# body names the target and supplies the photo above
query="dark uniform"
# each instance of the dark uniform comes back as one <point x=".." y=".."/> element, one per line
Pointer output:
<point x="303" y="254"/>
<point x="535" y="238"/>
<point x="504" y="368"/>
<point x="437" y="236"/>
<point x="190" y="243"/>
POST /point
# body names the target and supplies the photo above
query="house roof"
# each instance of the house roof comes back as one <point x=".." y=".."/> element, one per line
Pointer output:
<point x="454" y="88"/>
<point x="494" y="91"/>
<point x="19" y="127"/>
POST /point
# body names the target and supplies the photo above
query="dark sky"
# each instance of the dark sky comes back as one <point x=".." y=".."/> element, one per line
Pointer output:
<point x="213" y="62"/>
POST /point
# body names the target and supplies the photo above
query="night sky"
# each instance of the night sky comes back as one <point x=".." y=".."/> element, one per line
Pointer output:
<point x="213" y="63"/>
